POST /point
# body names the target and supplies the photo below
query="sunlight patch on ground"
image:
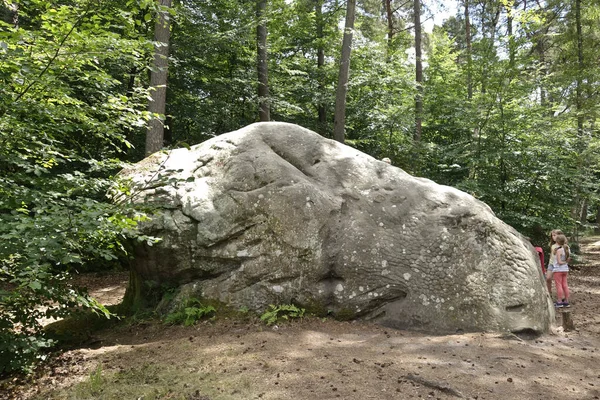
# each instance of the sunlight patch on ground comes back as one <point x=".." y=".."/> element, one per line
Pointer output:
<point x="319" y="338"/>
<point x="111" y="288"/>
<point x="593" y="291"/>
<point x="589" y="279"/>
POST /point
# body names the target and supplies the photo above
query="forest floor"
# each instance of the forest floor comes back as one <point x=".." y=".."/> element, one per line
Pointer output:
<point x="317" y="358"/>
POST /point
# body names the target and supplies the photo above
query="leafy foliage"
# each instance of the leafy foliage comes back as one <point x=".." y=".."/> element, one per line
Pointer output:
<point x="191" y="312"/>
<point x="282" y="312"/>
<point x="66" y="111"/>
<point x="210" y="85"/>
<point x="527" y="125"/>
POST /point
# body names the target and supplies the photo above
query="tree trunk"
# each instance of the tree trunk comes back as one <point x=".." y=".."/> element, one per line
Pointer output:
<point x="390" y="23"/>
<point x="540" y="48"/>
<point x="580" y="67"/>
<point x="476" y="137"/>
<point x="511" y="40"/>
<point x="583" y="212"/>
<point x="158" y="78"/>
<point x="581" y="145"/>
<point x="320" y="66"/>
<point x="492" y="28"/>
<point x="342" y="87"/>
<point x="419" y="71"/>
<point x="264" y="109"/>
<point x="469" y="52"/>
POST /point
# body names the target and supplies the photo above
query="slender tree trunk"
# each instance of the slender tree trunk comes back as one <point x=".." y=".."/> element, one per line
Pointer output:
<point x="320" y="66"/>
<point x="487" y="59"/>
<point x="158" y="78"/>
<point x="543" y="72"/>
<point x="264" y="109"/>
<point x="469" y="52"/>
<point x="583" y="213"/>
<point x="390" y="24"/>
<point x="540" y="46"/>
<point x="580" y="67"/>
<point x="492" y="28"/>
<point x="339" y="121"/>
<point x="502" y="163"/>
<point x="511" y="39"/>
<point x="419" y="71"/>
<point x="476" y="139"/>
<point x="579" y="200"/>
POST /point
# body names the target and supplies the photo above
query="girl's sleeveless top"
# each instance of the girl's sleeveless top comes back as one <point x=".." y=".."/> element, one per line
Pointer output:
<point x="552" y="259"/>
<point x="561" y="265"/>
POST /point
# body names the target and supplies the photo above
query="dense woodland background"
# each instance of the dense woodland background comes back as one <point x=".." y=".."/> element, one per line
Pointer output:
<point x="500" y="99"/>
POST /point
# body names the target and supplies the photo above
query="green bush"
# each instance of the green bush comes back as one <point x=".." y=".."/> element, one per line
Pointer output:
<point x="34" y="293"/>
<point x="191" y="312"/>
<point x="64" y="128"/>
<point x="283" y="312"/>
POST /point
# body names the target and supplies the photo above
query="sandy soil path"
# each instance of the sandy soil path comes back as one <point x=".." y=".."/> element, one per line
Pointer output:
<point x="324" y="359"/>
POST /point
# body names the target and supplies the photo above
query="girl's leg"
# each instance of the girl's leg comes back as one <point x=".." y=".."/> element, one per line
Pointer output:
<point x="566" y="286"/>
<point x="558" y="280"/>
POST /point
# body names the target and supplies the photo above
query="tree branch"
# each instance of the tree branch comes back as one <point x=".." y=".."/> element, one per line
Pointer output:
<point x="56" y="53"/>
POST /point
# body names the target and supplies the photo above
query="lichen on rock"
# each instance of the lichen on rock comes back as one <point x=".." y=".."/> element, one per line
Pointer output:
<point x="276" y="214"/>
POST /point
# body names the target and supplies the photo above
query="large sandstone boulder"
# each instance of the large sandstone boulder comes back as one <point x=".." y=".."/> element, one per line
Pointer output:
<point x="276" y="214"/>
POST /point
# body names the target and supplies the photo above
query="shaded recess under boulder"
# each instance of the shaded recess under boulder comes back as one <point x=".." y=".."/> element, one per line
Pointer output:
<point x="276" y="214"/>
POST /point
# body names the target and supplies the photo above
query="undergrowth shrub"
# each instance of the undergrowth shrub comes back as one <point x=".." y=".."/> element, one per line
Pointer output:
<point x="190" y="312"/>
<point x="282" y="312"/>
<point x="64" y="128"/>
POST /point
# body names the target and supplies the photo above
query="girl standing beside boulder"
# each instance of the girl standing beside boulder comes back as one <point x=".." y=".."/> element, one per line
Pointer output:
<point x="561" y="270"/>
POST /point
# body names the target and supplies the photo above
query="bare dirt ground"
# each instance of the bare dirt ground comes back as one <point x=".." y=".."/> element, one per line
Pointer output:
<point x="324" y="359"/>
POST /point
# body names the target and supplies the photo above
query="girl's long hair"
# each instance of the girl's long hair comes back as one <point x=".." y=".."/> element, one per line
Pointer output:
<point x="561" y="240"/>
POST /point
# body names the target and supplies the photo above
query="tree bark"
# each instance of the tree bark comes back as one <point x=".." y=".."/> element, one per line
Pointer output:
<point x="583" y="212"/>
<point x="581" y="145"/>
<point x="158" y="78"/>
<point x="342" y="87"/>
<point x="540" y="48"/>
<point x="476" y="137"/>
<point x="419" y="71"/>
<point x="491" y="28"/>
<point x="580" y="67"/>
<point x="390" y="23"/>
<point x="511" y="40"/>
<point x="264" y="109"/>
<point x="469" y="52"/>
<point x="320" y="66"/>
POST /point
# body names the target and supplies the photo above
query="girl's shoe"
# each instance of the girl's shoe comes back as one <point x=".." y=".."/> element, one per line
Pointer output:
<point x="565" y="304"/>
<point x="559" y="304"/>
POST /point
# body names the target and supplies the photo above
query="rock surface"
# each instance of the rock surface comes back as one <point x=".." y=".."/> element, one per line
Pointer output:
<point x="276" y="214"/>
